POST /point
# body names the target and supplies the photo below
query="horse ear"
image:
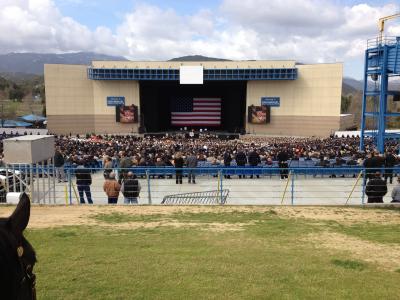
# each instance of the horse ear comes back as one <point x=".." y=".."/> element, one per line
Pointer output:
<point x="20" y="217"/>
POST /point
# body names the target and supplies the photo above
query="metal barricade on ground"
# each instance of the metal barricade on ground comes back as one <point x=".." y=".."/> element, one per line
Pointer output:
<point x="208" y="197"/>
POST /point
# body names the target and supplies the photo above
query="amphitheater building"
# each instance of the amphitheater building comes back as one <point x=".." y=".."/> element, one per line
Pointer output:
<point x="253" y="97"/>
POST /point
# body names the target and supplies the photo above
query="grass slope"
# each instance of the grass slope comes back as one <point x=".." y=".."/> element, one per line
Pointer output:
<point x="269" y="259"/>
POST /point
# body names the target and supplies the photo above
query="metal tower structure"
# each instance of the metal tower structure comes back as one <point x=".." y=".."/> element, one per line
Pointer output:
<point x="382" y="62"/>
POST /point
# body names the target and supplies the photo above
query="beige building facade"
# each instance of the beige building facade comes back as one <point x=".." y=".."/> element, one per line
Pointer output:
<point x="76" y="100"/>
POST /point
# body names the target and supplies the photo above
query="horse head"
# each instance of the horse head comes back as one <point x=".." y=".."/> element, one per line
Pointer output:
<point x="17" y="256"/>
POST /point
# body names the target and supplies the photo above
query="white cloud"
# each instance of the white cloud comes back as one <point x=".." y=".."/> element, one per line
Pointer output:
<point x="394" y="30"/>
<point x="308" y="30"/>
<point x="38" y="26"/>
<point x="304" y="17"/>
<point x="305" y="30"/>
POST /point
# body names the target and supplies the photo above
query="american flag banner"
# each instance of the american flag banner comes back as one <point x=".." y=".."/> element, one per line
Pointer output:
<point x="189" y="111"/>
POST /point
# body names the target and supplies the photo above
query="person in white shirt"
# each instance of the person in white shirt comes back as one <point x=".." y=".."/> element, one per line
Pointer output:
<point x="396" y="192"/>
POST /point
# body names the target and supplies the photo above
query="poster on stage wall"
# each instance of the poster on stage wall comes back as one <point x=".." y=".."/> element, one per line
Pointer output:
<point x="127" y="114"/>
<point x="258" y="114"/>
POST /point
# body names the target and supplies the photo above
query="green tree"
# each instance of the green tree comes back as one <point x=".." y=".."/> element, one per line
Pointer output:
<point x="16" y="93"/>
<point x="345" y="103"/>
<point x="9" y="109"/>
<point x="3" y="84"/>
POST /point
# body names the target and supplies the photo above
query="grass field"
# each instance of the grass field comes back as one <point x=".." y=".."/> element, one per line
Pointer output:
<point x="216" y="252"/>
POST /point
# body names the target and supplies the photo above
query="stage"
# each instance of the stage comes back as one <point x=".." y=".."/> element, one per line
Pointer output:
<point x="194" y="134"/>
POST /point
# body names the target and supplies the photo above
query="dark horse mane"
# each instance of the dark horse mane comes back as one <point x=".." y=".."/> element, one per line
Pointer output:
<point x="13" y="266"/>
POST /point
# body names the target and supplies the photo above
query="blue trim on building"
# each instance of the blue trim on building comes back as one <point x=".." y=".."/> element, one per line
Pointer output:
<point x="209" y="74"/>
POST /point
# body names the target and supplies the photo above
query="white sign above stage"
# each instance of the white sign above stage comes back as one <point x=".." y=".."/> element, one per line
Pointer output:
<point x="191" y="74"/>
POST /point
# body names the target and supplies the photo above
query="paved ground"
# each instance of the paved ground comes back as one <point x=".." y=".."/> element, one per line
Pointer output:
<point x="262" y="191"/>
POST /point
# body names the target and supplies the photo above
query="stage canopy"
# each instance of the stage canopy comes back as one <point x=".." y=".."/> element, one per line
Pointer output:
<point x="13" y="123"/>
<point x="33" y="118"/>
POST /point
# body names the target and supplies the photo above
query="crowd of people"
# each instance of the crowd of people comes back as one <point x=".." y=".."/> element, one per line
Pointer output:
<point x="125" y="152"/>
<point x="178" y="151"/>
<point x="160" y="151"/>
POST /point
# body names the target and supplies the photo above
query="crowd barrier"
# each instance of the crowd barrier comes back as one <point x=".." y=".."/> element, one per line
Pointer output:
<point x="267" y="185"/>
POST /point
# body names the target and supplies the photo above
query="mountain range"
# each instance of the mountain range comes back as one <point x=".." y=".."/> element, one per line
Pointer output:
<point x="32" y="63"/>
<point x="22" y="66"/>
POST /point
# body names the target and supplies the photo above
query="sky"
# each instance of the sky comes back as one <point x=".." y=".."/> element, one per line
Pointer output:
<point x="308" y="31"/>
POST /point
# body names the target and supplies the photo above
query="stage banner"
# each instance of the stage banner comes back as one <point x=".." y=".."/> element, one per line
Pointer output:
<point x="189" y="111"/>
<point x="127" y="114"/>
<point x="271" y="101"/>
<point x="115" y="101"/>
<point x="258" y="114"/>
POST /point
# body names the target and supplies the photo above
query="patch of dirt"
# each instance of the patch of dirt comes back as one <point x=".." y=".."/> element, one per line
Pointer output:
<point x="387" y="257"/>
<point x="214" y="226"/>
<point x="343" y="215"/>
<point x="55" y="216"/>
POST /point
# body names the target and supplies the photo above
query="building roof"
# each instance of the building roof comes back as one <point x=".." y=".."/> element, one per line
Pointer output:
<point x="236" y="64"/>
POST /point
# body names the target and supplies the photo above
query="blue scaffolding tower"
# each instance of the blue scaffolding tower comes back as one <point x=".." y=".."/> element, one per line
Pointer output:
<point x="382" y="61"/>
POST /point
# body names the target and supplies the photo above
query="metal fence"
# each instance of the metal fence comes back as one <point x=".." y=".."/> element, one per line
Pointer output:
<point x="36" y="179"/>
<point x="213" y="185"/>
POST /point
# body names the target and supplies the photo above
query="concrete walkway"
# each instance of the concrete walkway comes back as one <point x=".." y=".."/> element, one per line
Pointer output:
<point x="262" y="191"/>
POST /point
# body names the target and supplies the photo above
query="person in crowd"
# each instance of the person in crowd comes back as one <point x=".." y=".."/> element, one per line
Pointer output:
<point x="323" y="162"/>
<point x="352" y="161"/>
<point x="369" y="165"/>
<point x="283" y="157"/>
<point x="130" y="188"/>
<point x="83" y="182"/>
<point x="376" y="164"/>
<point x="227" y="162"/>
<point x="396" y="192"/>
<point x="124" y="165"/>
<point x="59" y="165"/>
<point x="390" y="162"/>
<point x="168" y="163"/>
<point x="178" y="163"/>
<point x="160" y="162"/>
<point x="337" y="164"/>
<point x="254" y="160"/>
<point x="376" y="188"/>
<point x="191" y="163"/>
<point x="379" y="160"/>
<point x="108" y="166"/>
<point x="111" y="187"/>
<point x="241" y="160"/>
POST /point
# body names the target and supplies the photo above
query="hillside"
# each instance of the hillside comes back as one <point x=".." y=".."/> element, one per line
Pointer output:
<point x="32" y="63"/>
<point x="352" y="101"/>
<point x="348" y="89"/>
<point x="22" y="95"/>
<point x="354" y="83"/>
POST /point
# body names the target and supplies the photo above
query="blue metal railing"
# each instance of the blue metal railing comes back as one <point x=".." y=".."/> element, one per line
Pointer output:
<point x="209" y="74"/>
<point x="296" y="185"/>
